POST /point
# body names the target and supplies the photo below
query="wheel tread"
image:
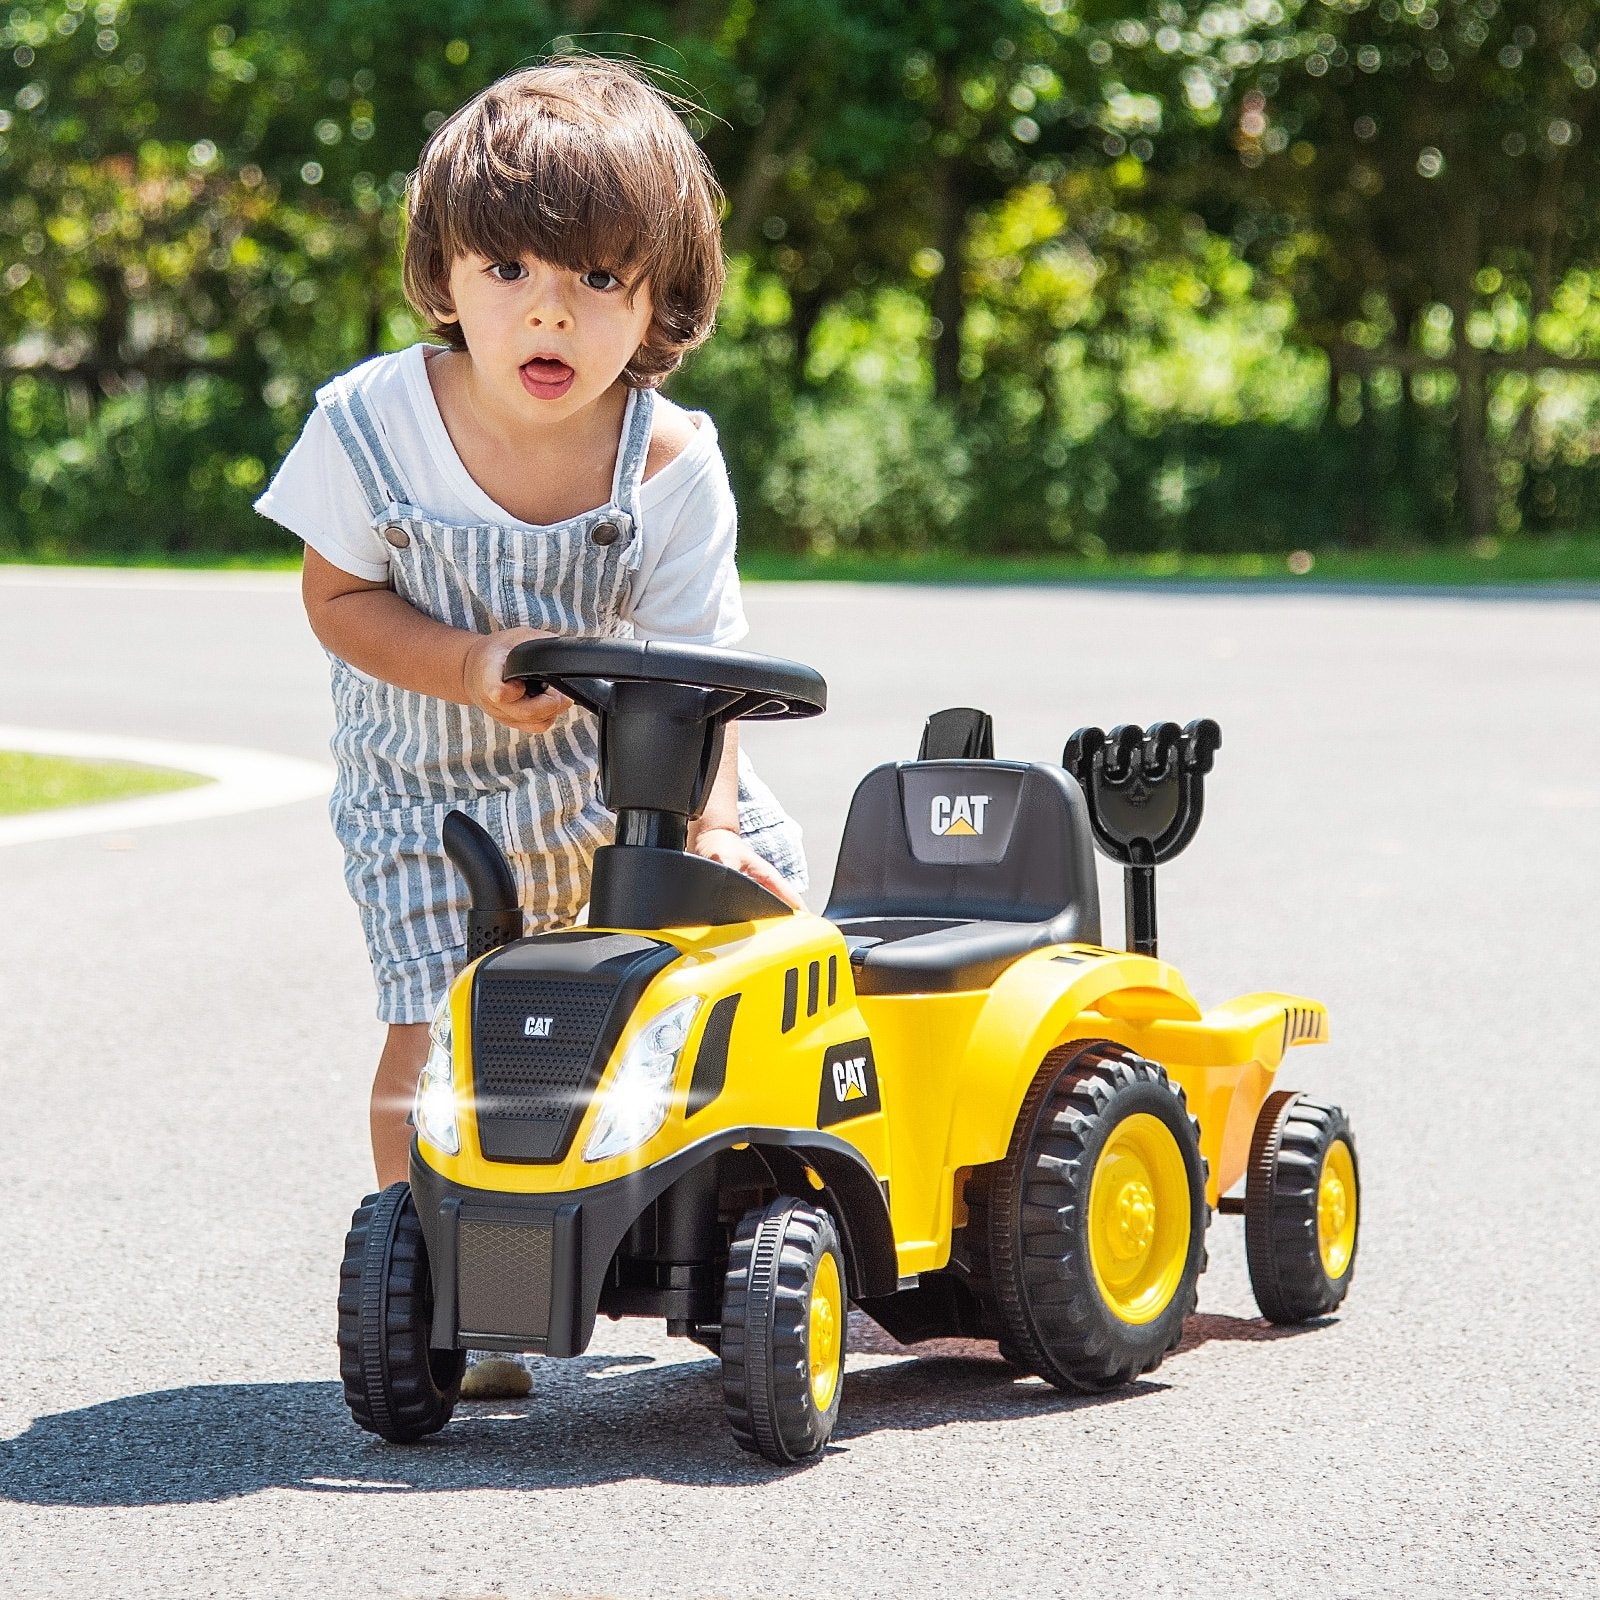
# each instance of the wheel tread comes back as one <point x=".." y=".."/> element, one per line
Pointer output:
<point x="1291" y="1139"/>
<point x="766" y="1374"/>
<point x="394" y="1385"/>
<point x="1044" y="1295"/>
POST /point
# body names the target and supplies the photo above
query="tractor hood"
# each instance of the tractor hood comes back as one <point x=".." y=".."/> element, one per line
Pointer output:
<point x="546" y="1015"/>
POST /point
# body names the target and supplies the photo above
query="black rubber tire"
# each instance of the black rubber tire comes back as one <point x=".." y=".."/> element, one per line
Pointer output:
<point x="395" y="1386"/>
<point x="766" y="1322"/>
<point x="1014" y="1357"/>
<point x="1291" y="1141"/>
<point x="1054" y="1319"/>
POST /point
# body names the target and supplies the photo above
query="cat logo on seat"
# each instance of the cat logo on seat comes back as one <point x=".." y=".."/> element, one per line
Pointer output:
<point x="849" y="1083"/>
<point x="537" y="1027"/>
<point x="951" y="815"/>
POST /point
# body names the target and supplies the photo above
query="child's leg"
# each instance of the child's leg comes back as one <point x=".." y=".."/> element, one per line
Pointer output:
<point x="393" y="1090"/>
<point x="489" y="1376"/>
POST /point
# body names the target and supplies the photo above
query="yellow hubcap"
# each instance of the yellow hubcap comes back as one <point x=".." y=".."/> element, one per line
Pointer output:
<point x="1336" y="1209"/>
<point x="1139" y="1218"/>
<point x="826" y="1343"/>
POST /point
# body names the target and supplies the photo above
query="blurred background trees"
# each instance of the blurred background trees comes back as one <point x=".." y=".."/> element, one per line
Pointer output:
<point x="1008" y="276"/>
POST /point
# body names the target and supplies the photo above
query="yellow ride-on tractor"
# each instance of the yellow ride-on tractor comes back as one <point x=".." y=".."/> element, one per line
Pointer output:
<point x="944" y="1101"/>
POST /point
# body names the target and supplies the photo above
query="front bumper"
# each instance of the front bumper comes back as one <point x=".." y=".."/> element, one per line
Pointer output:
<point x="525" y="1272"/>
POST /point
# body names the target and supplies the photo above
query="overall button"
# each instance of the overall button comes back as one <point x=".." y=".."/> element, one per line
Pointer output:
<point x="605" y="533"/>
<point x="397" y="536"/>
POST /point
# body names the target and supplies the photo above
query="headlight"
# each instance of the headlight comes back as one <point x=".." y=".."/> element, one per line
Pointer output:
<point x="636" y="1103"/>
<point x="435" y="1108"/>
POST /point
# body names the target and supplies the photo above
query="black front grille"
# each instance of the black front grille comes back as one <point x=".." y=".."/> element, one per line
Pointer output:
<point x="532" y="1079"/>
<point x="547" y="1013"/>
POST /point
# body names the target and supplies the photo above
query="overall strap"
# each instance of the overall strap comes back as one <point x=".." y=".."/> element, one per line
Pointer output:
<point x="635" y="446"/>
<point x="362" y="440"/>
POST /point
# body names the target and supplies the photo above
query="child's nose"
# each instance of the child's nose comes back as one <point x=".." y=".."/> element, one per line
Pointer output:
<point x="546" y="304"/>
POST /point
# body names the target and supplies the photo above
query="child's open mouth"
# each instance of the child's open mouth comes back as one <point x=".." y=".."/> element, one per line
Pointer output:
<point x="545" y="378"/>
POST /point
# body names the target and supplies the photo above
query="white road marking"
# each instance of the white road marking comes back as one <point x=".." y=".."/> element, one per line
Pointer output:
<point x="245" y="780"/>
<point x="202" y="579"/>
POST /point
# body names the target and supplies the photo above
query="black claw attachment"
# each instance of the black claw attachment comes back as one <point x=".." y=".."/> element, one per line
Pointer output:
<point x="1146" y="795"/>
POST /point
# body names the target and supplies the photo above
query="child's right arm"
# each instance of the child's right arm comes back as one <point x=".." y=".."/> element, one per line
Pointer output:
<point x="371" y="627"/>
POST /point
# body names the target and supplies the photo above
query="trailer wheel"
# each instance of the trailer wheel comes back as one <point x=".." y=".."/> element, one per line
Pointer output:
<point x="1301" y="1208"/>
<point x="1096" y="1220"/>
<point x="784" y="1315"/>
<point x="394" y="1384"/>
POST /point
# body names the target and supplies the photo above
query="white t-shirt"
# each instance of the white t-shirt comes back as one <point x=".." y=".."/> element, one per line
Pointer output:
<point x="685" y="588"/>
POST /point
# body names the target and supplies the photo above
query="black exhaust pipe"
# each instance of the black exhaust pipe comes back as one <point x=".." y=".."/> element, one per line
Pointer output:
<point x="494" y="917"/>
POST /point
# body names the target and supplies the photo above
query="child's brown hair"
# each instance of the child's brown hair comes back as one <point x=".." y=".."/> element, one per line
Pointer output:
<point x="583" y="163"/>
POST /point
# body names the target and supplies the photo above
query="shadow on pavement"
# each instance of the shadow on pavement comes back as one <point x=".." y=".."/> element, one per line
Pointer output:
<point x="1204" y="1329"/>
<point x="590" y="1420"/>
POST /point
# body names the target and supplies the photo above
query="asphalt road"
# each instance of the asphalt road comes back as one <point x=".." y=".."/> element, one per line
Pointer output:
<point x="1402" y="822"/>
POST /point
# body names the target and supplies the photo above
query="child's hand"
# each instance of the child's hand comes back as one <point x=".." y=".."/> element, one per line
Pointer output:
<point x="724" y="846"/>
<point x="483" y="683"/>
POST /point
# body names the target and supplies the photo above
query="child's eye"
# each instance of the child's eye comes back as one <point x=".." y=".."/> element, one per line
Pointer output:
<point x="508" y="271"/>
<point x="599" y="278"/>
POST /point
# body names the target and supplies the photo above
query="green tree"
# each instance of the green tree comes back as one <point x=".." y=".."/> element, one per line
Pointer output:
<point x="1391" y="157"/>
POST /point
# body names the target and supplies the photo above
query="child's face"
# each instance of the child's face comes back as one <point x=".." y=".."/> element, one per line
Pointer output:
<point x="546" y="341"/>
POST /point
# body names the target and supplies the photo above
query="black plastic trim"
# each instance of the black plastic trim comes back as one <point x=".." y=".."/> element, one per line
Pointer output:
<point x="711" y="1060"/>
<point x="639" y="886"/>
<point x="791" y="998"/>
<point x="962" y="733"/>
<point x="494" y="917"/>
<point x="597" y="1218"/>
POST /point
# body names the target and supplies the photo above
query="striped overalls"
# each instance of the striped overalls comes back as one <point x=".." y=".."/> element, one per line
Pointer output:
<point x="405" y="760"/>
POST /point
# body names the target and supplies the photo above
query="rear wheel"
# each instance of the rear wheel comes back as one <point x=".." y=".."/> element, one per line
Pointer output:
<point x="1301" y="1208"/>
<point x="784" y="1315"/>
<point x="1096" y="1220"/>
<point x="394" y="1384"/>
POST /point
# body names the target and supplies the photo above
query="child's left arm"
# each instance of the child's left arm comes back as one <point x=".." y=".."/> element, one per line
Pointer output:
<point x="716" y="835"/>
<point x="690" y="592"/>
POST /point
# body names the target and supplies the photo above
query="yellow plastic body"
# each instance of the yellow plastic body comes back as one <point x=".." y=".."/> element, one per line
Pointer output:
<point x="773" y="1077"/>
<point x="951" y="1069"/>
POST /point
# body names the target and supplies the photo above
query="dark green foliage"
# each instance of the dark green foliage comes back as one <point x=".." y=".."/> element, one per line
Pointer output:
<point x="1009" y="277"/>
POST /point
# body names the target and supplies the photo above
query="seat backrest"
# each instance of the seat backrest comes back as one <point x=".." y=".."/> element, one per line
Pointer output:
<point x="1004" y="841"/>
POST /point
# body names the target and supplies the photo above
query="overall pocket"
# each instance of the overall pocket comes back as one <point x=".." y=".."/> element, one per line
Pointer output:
<point x="413" y="902"/>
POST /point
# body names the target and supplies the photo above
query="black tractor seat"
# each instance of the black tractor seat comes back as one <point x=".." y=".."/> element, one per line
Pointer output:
<point x="949" y="871"/>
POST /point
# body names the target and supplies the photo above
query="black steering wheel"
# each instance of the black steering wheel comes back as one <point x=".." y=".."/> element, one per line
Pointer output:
<point x="758" y="688"/>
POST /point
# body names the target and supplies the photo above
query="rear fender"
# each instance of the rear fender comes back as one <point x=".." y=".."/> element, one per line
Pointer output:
<point x="1223" y="1059"/>
<point x="1049" y="998"/>
<point x="1225" y="1062"/>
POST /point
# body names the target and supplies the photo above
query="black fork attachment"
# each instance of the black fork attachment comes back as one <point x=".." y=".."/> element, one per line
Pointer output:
<point x="1146" y="793"/>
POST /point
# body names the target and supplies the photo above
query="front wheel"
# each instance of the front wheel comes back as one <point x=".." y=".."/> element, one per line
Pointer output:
<point x="1301" y="1208"/>
<point x="395" y="1386"/>
<point x="784" y="1316"/>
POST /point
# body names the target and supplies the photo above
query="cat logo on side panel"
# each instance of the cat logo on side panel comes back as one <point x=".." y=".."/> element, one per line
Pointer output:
<point x="849" y="1083"/>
